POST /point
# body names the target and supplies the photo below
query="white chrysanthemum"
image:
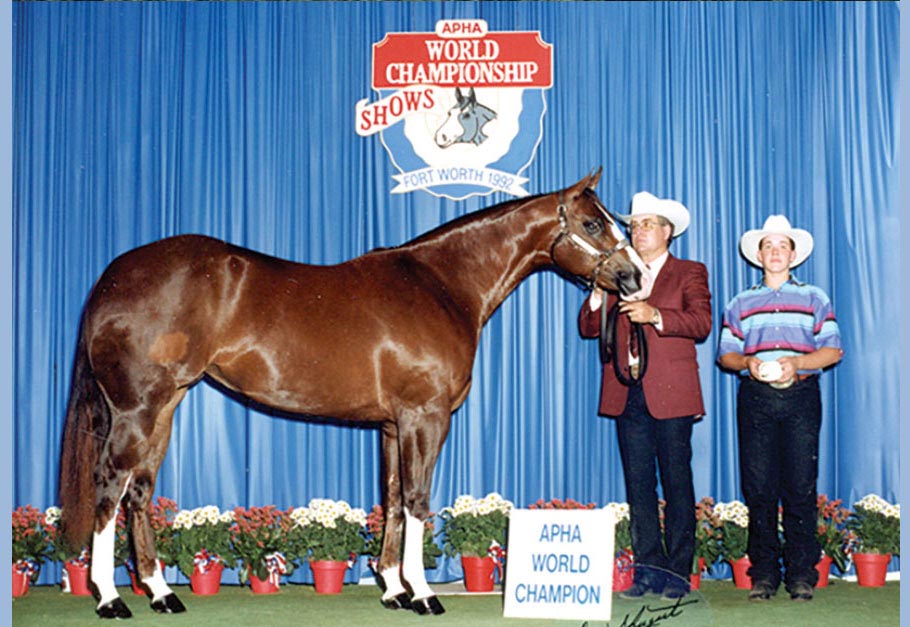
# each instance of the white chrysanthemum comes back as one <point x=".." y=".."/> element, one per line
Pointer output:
<point x="52" y="515"/>
<point x="199" y="517"/>
<point x="734" y="511"/>
<point x="620" y="510"/>
<point x="464" y="504"/>
<point x="872" y="503"/>
<point x="183" y="519"/>
<point x="356" y="516"/>
<point x="227" y="517"/>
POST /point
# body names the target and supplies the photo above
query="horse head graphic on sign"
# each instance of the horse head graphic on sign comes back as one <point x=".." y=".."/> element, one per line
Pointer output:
<point x="465" y="121"/>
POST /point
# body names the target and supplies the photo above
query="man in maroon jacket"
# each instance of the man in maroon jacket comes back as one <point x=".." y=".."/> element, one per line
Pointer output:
<point x="655" y="412"/>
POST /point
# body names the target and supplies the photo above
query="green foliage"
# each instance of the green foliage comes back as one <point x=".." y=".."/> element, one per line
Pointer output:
<point x="876" y="525"/>
<point x="471" y="527"/>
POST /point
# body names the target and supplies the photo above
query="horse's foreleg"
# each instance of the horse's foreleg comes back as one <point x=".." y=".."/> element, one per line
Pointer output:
<point x="420" y="438"/>
<point x="395" y="596"/>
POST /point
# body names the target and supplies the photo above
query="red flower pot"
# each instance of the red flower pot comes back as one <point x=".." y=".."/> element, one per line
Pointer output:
<point x="824" y="569"/>
<point x="622" y="571"/>
<point x="478" y="573"/>
<point x="262" y="586"/>
<point x="741" y="576"/>
<point x="207" y="583"/>
<point x="78" y="578"/>
<point x="20" y="581"/>
<point x="328" y="576"/>
<point x="695" y="578"/>
<point x="871" y="569"/>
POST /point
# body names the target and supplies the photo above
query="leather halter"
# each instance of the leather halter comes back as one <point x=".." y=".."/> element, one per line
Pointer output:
<point x="601" y="256"/>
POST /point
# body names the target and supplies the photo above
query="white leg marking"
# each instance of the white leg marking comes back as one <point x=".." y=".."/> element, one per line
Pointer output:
<point x="392" y="578"/>
<point x="413" y="571"/>
<point x="156" y="583"/>
<point x="103" y="556"/>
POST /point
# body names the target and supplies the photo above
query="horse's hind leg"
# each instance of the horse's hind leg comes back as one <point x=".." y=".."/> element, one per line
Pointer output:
<point x="111" y="486"/>
<point x="139" y="496"/>
<point x="125" y="473"/>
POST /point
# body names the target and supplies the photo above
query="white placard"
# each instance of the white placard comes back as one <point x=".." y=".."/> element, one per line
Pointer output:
<point x="560" y="564"/>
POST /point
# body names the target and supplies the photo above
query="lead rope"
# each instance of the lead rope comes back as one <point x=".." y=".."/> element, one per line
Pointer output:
<point x="609" y="345"/>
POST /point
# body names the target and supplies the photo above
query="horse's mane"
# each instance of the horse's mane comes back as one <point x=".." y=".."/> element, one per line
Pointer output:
<point x="472" y="217"/>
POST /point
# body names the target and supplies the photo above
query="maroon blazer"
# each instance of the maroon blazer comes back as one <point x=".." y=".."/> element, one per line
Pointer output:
<point x="671" y="384"/>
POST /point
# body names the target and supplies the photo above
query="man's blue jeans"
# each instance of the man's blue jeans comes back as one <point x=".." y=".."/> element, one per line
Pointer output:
<point x="646" y="444"/>
<point x="778" y="460"/>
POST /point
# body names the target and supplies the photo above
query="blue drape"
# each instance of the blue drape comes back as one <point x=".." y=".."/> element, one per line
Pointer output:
<point x="137" y="121"/>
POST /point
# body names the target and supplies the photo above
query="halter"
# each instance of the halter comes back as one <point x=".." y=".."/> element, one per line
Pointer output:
<point x="601" y="256"/>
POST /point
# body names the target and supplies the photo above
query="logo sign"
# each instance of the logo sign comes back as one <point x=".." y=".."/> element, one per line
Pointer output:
<point x="560" y="564"/>
<point x="460" y="110"/>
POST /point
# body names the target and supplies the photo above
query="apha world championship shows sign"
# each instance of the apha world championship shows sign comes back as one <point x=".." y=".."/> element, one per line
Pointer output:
<point x="460" y="110"/>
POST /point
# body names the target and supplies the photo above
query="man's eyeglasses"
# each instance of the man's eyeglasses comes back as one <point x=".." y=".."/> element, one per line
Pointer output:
<point x="644" y="225"/>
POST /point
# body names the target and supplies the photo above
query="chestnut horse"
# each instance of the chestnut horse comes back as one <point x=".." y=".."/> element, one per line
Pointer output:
<point x="387" y="338"/>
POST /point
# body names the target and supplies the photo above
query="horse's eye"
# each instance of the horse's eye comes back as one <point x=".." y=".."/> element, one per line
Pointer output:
<point x="593" y="227"/>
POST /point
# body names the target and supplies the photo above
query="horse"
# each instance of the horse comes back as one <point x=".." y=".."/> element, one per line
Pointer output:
<point x="386" y="338"/>
<point x="465" y="121"/>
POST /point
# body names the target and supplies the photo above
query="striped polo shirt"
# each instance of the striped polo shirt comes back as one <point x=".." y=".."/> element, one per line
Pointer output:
<point x="793" y="320"/>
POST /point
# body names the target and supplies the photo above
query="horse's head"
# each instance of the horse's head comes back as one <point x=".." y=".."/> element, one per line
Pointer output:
<point x="465" y="121"/>
<point x="591" y="246"/>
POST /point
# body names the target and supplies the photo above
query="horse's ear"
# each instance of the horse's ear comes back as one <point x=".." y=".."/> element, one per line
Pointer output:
<point x="472" y="97"/>
<point x="594" y="177"/>
<point x="588" y="182"/>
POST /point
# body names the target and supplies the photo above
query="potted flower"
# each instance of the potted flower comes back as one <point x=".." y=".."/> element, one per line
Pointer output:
<point x="733" y="527"/>
<point x="259" y="536"/>
<point x="375" y="532"/>
<point x="707" y="540"/>
<point x="75" y="567"/>
<point x="876" y="525"/>
<point x="330" y="535"/>
<point x="202" y="546"/>
<point x="476" y="530"/>
<point x="622" y="547"/>
<point x="832" y="536"/>
<point x="30" y="546"/>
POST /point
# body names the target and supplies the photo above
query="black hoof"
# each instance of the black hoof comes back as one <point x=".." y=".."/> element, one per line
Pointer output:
<point x="399" y="602"/>
<point x="429" y="605"/>
<point x="114" y="609"/>
<point x="168" y="605"/>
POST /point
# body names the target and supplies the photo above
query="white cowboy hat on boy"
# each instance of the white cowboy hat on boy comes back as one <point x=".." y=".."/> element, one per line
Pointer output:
<point x="776" y="225"/>
<point x="644" y="203"/>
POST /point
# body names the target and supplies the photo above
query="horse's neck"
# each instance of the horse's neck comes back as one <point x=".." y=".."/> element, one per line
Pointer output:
<point x="482" y="261"/>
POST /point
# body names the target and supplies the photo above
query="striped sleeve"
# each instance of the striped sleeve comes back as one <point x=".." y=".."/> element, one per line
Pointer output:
<point x="825" y="329"/>
<point x="732" y="339"/>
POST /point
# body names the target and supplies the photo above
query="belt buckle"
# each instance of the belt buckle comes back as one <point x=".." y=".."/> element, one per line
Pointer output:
<point x="783" y="386"/>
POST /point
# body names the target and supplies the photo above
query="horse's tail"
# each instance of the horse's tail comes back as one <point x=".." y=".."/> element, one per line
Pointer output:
<point x="88" y="421"/>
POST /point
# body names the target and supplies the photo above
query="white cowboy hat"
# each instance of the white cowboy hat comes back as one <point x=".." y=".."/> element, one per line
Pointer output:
<point x="776" y="225"/>
<point x="647" y="203"/>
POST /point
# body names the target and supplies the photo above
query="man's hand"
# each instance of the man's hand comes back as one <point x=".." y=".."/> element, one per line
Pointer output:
<point x="596" y="298"/>
<point x="638" y="311"/>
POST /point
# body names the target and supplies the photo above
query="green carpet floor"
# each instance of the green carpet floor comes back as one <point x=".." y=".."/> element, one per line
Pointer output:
<point x="718" y="603"/>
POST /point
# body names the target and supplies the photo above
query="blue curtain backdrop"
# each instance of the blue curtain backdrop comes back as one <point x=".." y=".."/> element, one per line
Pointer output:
<point x="138" y="121"/>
